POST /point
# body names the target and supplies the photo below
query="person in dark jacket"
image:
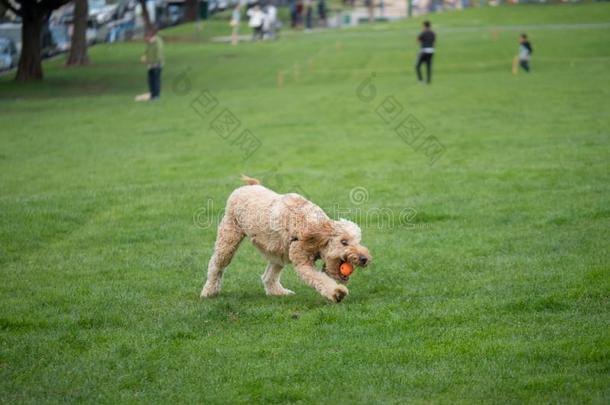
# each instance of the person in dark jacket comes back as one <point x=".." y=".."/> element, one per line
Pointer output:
<point x="426" y="40"/>
<point x="525" y="52"/>
<point x="322" y="13"/>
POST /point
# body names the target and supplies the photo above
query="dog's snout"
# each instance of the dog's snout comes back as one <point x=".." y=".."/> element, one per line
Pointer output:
<point x="363" y="260"/>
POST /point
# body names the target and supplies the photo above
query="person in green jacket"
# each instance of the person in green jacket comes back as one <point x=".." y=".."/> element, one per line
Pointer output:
<point x="153" y="57"/>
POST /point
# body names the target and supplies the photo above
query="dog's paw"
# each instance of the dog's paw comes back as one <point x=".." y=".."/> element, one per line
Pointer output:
<point x="338" y="293"/>
<point x="208" y="292"/>
<point x="279" y="291"/>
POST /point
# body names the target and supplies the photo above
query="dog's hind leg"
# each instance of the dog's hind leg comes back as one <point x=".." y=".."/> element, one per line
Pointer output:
<point x="227" y="241"/>
<point x="271" y="280"/>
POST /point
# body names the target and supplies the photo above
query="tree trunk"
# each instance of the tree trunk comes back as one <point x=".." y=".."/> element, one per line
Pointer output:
<point x="30" y="61"/>
<point x="78" y="47"/>
<point x="190" y="10"/>
<point x="147" y="24"/>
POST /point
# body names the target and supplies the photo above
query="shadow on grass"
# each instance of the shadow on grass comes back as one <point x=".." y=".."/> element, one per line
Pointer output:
<point x="90" y="82"/>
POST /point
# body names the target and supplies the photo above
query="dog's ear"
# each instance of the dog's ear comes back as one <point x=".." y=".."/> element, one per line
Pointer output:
<point x="316" y="236"/>
<point x="350" y="227"/>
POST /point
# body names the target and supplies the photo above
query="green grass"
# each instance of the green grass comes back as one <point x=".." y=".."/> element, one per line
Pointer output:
<point x="497" y="291"/>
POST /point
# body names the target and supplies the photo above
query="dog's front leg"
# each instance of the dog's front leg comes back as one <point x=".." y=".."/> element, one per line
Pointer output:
<point x="321" y="282"/>
<point x="303" y="260"/>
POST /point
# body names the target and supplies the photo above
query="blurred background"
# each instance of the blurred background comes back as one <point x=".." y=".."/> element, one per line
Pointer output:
<point x="107" y="21"/>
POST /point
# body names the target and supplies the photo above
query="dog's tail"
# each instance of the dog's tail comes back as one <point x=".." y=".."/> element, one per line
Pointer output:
<point x="250" y="181"/>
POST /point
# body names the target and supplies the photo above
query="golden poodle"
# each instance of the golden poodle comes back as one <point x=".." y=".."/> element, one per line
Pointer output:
<point x="286" y="228"/>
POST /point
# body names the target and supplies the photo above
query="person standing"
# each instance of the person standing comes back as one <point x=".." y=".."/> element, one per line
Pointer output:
<point x="525" y="52"/>
<point x="270" y="23"/>
<point x="153" y="57"/>
<point x="293" y="14"/>
<point x="299" y="14"/>
<point x="322" y="13"/>
<point x="234" y="23"/>
<point x="426" y="40"/>
<point x="308" y="14"/>
<point x="256" y="22"/>
<point x="370" y="7"/>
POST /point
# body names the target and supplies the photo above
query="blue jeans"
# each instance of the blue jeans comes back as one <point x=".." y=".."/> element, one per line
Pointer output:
<point x="154" y="82"/>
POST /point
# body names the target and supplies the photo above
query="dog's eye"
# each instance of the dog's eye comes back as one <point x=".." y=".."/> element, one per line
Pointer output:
<point x="344" y="242"/>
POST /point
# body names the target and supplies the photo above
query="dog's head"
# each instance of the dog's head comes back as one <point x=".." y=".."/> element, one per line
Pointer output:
<point x="338" y="242"/>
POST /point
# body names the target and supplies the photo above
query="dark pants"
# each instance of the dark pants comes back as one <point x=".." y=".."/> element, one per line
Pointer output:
<point x="525" y="65"/>
<point x="154" y="82"/>
<point x="257" y="33"/>
<point x="293" y="17"/>
<point x="427" y="59"/>
<point x="308" y="18"/>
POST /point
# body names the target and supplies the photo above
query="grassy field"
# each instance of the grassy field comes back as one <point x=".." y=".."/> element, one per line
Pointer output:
<point x="494" y="289"/>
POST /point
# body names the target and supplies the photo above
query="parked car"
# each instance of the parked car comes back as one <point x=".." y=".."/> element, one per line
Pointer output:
<point x="60" y="36"/>
<point x="8" y="54"/>
<point x="101" y="12"/>
<point x="216" y="6"/>
<point x="12" y="31"/>
<point x="169" y="15"/>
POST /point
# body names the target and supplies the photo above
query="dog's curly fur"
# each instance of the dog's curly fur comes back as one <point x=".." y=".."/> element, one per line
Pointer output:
<point x="286" y="228"/>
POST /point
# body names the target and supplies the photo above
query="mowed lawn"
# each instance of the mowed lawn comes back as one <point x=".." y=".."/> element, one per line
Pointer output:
<point x="494" y="288"/>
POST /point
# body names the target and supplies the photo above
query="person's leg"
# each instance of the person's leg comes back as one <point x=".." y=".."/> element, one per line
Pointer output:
<point x="151" y="81"/>
<point x="429" y="67"/>
<point x="418" y="66"/>
<point x="159" y="70"/>
<point x="525" y="65"/>
<point x="153" y="89"/>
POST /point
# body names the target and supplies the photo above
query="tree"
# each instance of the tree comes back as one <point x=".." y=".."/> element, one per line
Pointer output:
<point x="190" y="10"/>
<point x="78" y="47"/>
<point x="147" y="24"/>
<point x="33" y="13"/>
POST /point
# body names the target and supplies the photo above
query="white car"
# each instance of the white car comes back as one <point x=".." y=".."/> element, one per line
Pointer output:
<point x="8" y="54"/>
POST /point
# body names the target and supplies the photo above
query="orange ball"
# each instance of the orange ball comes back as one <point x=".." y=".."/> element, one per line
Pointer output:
<point x="346" y="269"/>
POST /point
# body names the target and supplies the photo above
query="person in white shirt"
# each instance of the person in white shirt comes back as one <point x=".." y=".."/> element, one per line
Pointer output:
<point x="257" y="18"/>
<point x="269" y="25"/>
